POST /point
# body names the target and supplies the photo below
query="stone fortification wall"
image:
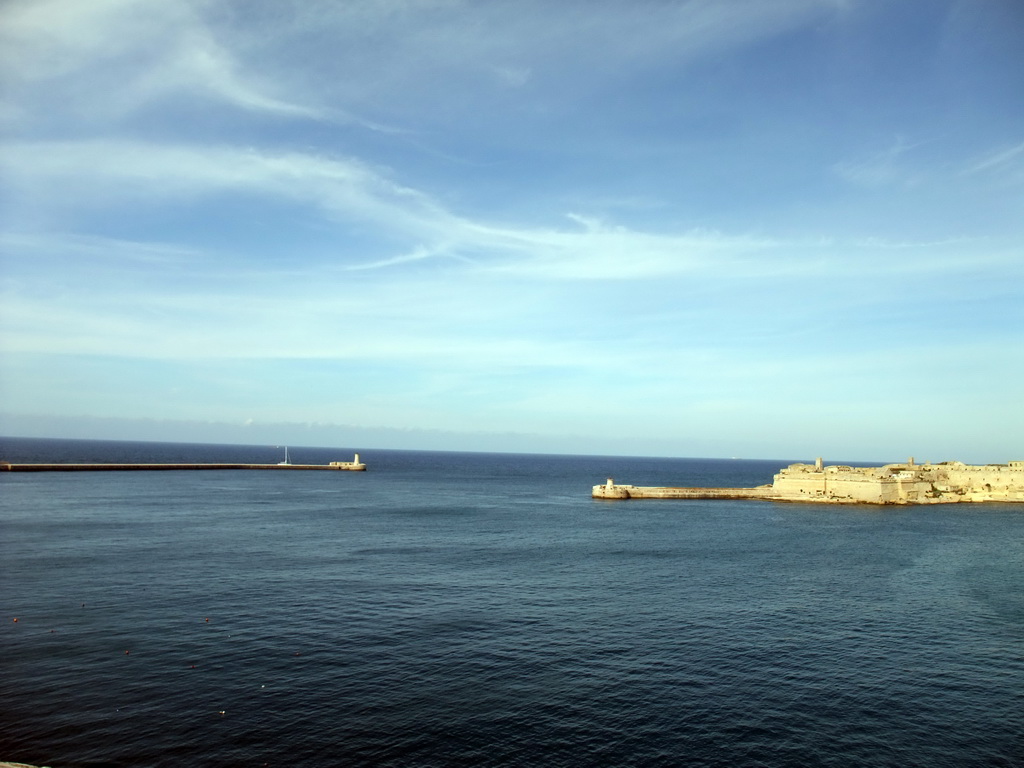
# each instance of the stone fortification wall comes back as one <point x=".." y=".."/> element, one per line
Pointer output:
<point x="865" y="485"/>
<point x="800" y="480"/>
<point x="997" y="481"/>
<point x="910" y="483"/>
<point x="902" y="483"/>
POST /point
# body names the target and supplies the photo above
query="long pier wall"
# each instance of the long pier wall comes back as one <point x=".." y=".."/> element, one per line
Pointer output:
<point x="611" y="491"/>
<point x="653" y="492"/>
<point x="334" y="466"/>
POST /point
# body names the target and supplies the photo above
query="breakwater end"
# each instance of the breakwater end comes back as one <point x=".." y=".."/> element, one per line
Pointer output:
<point x="945" y="483"/>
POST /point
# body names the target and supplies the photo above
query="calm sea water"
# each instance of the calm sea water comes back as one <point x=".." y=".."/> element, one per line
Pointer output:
<point x="449" y="609"/>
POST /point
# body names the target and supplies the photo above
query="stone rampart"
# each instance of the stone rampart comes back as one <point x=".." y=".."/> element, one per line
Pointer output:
<point x="910" y="483"/>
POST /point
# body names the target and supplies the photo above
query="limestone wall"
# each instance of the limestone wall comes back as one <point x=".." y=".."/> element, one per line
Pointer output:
<point x="800" y="481"/>
<point x="948" y="482"/>
<point x="868" y="485"/>
<point x="995" y="480"/>
<point x="902" y="483"/>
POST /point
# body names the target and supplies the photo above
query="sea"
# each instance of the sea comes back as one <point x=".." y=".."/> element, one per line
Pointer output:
<point x="474" y="609"/>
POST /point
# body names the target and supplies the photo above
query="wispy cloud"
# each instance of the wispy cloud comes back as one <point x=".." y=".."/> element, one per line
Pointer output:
<point x="93" y="247"/>
<point x="515" y="77"/>
<point x="880" y="168"/>
<point x="106" y="59"/>
<point x="111" y="173"/>
<point x="110" y="57"/>
<point x="1001" y="160"/>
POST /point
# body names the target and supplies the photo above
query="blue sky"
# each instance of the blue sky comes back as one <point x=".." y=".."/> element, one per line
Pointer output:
<point x="694" y="228"/>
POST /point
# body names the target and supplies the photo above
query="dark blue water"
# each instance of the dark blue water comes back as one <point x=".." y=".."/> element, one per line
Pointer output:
<point x="482" y="610"/>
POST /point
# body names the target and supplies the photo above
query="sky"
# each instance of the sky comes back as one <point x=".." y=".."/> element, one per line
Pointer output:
<point x="718" y="228"/>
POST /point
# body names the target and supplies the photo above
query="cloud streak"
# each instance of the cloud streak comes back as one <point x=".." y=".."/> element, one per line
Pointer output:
<point x="110" y="174"/>
<point x="1001" y="160"/>
<point x="144" y="51"/>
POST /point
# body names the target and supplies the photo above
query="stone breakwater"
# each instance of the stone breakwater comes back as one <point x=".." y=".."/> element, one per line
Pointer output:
<point x="351" y="466"/>
<point x="610" y="490"/>
<point x="6" y="467"/>
<point x="944" y="483"/>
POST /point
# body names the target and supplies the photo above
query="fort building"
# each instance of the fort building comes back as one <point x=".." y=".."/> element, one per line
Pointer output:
<point x="909" y="483"/>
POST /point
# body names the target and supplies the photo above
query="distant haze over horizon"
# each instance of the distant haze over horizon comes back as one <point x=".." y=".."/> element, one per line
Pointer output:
<point x="688" y="228"/>
<point x="366" y="440"/>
